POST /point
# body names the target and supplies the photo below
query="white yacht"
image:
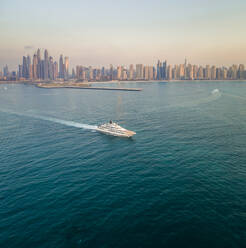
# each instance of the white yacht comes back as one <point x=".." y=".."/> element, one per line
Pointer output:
<point x="114" y="129"/>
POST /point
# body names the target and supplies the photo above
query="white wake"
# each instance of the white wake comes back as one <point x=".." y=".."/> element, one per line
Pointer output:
<point x="52" y="119"/>
<point x="66" y="123"/>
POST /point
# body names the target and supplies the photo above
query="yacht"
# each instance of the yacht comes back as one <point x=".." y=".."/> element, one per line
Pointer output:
<point x="114" y="129"/>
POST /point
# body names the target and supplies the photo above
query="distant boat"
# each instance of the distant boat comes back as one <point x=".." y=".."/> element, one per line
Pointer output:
<point x="114" y="129"/>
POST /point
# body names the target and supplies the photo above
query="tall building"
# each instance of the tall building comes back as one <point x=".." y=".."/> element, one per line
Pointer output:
<point x="46" y="54"/>
<point x="181" y="71"/>
<point x="38" y="55"/>
<point x="234" y="72"/>
<point x="66" y="67"/>
<point x="139" y="71"/>
<point x="73" y="73"/>
<point x="20" y="72"/>
<point x="61" y="67"/>
<point x="146" y="72"/>
<point x="38" y="64"/>
<point x="119" y="72"/>
<point x="169" y="72"/>
<point x="46" y="65"/>
<point x="241" y="72"/>
<point x="51" y="69"/>
<point x="164" y="70"/>
<point x="189" y="72"/>
<point x="207" y="72"/>
<point x="35" y="67"/>
<point x="24" y="68"/>
<point x="55" y="70"/>
<point x="195" y="72"/>
<point x="30" y="72"/>
<point x="213" y="72"/>
<point x="90" y="73"/>
<point x="200" y="73"/>
<point x="111" y="72"/>
<point x="5" y="71"/>
<point x="28" y="61"/>
<point x="42" y="69"/>
<point x="131" y="72"/>
<point x="218" y="74"/>
<point x="151" y="73"/>
<point x="175" y="72"/>
<point x="224" y="73"/>
<point x="158" y="70"/>
<point x="124" y="74"/>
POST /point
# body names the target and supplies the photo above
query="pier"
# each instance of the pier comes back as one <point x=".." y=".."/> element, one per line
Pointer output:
<point x="85" y="87"/>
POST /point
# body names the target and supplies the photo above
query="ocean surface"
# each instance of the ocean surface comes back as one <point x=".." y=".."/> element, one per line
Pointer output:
<point x="179" y="182"/>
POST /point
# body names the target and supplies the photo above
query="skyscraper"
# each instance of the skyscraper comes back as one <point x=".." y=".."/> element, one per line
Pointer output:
<point x="30" y="72"/>
<point x="20" y="71"/>
<point x="5" y="71"/>
<point x="61" y="67"/>
<point x="151" y="73"/>
<point x="66" y="72"/>
<point x="195" y="71"/>
<point x="38" y="64"/>
<point x="164" y="70"/>
<point x="73" y="73"/>
<point x="131" y="72"/>
<point x="55" y="69"/>
<point x="158" y="70"/>
<point x="189" y="72"/>
<point x="24" y="68"/>
<point x="207" y="72"/>
<point x="35" y="66"/>
<point x="46" y="54"/>
<point x="234" y="72"/>
<point x="241" y="72"/>
<point x="175" y="72"/>
<point x="224" y="73"/>
<point x="38" y="55"/>
<point x="169" y="72"/>
<point x="51" y="69"/>
<point x="119" y="72"/>
<point x="139" y="71"/>
<point x="213" y="72"/>
<point x="200" y="73"/>
<point x="146" y="72"/>
<point x="181" y="71"/>
<point x="46" y="65"/>
<point x="124" y="74"/>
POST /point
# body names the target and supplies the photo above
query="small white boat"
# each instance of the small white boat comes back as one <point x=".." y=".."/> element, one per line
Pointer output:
<point x="114" y="129"/>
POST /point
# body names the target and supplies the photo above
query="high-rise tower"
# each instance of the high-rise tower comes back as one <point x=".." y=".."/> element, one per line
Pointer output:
<point x="35" y="66"/>
<point x="46" y="64"/>
<point x="24" y="68"/>
<point x="66" y="67"/>
<point x="61" y="67"/>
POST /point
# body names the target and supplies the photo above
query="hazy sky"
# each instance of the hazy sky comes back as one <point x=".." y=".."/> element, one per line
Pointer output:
<point x="100" y="32"/>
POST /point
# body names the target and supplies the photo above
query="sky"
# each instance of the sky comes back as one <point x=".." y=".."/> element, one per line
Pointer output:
<point x="103" y="32"/>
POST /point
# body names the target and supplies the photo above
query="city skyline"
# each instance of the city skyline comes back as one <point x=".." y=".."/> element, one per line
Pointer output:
<point x="99" y="33"/>
<point x="45" y="67"/>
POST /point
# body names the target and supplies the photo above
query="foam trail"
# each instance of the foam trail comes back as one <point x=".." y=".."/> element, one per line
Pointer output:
<point x="66" y="123"/>
<point x="63" y="122"/>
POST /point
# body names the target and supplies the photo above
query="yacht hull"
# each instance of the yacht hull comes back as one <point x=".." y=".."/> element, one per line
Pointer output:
<point x="126" y="134"/>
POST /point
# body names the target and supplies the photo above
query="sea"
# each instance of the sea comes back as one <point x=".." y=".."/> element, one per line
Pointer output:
<point x="179" y="182"/>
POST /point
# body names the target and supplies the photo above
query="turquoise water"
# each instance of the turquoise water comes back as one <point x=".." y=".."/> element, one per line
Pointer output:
<point x="179" y="182"/>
